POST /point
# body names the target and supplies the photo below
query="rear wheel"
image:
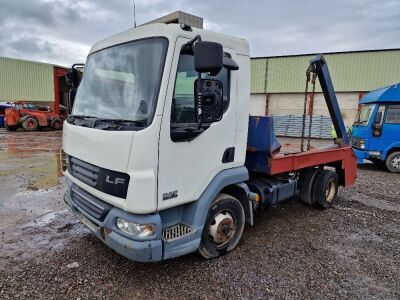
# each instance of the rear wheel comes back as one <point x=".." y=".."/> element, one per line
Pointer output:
<point x="223" y="228"/>
<point x="393" y="162"/>
<point x="325" y="188"/>
<point x="56" y="124"/>
<point x="30" y="124"/>
<point x="306" y="181"/>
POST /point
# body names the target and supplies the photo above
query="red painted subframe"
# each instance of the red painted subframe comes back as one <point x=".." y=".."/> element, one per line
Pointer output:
<point x="298" y="161"/>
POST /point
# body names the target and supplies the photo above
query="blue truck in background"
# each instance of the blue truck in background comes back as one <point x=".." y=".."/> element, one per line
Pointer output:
<point x="375" y="133"/>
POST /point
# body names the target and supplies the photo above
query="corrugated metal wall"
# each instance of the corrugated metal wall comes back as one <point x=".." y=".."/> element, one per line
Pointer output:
<point x="292" y="126"/>
<point x="25" y="80"/>
<point x="357" y="71"/>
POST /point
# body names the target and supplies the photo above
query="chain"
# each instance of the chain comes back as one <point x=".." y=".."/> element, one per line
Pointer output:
<point x="304" y="111"/>
<point x="314" y="77"/>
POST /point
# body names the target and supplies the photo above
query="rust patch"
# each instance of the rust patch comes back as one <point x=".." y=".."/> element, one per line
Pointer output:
<point x="104" y="231"/>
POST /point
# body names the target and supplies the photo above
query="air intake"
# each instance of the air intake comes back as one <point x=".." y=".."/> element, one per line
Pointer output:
<point x="176" y="232"/>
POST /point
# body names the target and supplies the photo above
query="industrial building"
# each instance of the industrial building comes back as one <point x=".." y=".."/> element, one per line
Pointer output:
<point x="41" y="83"/>
<point x="278" y="83"/>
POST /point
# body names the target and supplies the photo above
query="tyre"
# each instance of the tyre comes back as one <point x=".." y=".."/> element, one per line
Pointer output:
<point x="223" y="227"/>
<point x="325" y="188"/>
<point x="11" y="127"/>
<point x="393" y="162"/>
<point x="377" y="162"/>
<point x="30" y="124"/>
<point x="306" y="181"/>
<point x="56" y="124"/>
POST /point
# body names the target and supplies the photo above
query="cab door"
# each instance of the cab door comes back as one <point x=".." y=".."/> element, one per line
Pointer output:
<point x="186" y="167"/>
<point x="389" y="128"/>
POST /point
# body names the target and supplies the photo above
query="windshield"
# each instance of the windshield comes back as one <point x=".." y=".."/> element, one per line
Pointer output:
<point x="364" y="113"/>
<point x="122" y="82"/>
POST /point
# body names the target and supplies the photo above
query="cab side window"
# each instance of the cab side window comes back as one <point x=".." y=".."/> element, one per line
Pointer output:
<point x="393" y="114"/>
<point x="183" y="105"/>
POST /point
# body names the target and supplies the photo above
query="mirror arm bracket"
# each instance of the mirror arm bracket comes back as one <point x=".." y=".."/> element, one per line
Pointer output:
<point x="190" y="44"/>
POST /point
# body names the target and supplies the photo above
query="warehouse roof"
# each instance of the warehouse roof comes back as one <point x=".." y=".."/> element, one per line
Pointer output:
<point x="350" y="71"/>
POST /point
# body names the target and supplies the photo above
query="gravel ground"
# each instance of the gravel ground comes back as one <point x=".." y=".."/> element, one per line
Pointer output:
<point x="293" y="251"/>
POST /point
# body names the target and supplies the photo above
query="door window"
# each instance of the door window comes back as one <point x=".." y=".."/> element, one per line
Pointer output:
<point x="183" y="106"/>
<point x="393" y="114"/>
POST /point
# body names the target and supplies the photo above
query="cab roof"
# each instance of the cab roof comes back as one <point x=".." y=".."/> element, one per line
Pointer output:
<point x="389" y="93"/>
<point x="171" y="32"/>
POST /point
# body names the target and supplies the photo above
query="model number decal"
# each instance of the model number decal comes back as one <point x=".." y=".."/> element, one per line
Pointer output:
<point x="117" y="180"/>
<point x="170" y="195"/>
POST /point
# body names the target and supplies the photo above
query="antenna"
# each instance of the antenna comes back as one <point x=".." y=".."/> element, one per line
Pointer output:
<point x="134" y="13"/>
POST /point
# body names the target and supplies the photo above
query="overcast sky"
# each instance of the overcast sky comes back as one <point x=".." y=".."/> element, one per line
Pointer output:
<point x="62" y="31"/>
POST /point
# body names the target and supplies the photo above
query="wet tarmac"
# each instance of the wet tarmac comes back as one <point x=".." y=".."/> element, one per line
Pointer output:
<point x="293" y="251"/>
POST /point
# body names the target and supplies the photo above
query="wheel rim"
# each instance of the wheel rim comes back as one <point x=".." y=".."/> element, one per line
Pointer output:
<point x="330" y="190"/>
<point x="56" y="125"/>
<point x="396" y="162"/>
<point x="222" y="228"/>
<point x="31" y="124"/>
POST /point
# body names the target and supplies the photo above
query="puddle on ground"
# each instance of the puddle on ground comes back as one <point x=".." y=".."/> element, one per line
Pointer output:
<point x="45" y="234"/>
<point x="31" y="181"/>
<point x="31" y="157"/>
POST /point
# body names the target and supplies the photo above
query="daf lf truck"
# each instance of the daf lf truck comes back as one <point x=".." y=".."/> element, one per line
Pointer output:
<point x="161" y="157"/>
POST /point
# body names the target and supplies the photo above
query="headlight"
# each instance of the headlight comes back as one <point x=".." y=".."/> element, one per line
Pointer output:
<point x="134" y="229"/>
<point x="362" y="144"/>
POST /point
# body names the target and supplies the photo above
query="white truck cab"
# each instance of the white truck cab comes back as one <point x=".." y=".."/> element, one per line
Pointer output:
<point x="141" y="169"/>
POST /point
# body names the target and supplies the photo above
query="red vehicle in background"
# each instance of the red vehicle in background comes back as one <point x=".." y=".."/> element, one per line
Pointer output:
<point x="31" y="117"/>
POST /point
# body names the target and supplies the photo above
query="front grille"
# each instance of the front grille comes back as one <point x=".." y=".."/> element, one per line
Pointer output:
<point x="84" y="171"/>
<point x="107" y="181"/>
<point x="176" y="231"/>
<point x="93" y="206"/>
<point x="356" y="142"/>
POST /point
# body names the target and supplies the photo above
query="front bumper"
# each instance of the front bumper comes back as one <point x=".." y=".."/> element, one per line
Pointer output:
<point x="149" y="250"/>
<point x="361" y="155"/>
<point x="365" y="154"/>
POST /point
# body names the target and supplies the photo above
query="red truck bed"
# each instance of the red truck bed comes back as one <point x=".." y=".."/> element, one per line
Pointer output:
<point x="283" y="163"/>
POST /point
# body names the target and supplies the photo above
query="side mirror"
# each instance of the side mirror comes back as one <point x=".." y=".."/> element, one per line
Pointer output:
<point x="378" y="117"/>
<point x="208" y="57"/>
<point x="211" y="101"/>
<point x="377" y="126"/>
<point x="73" y="78"/>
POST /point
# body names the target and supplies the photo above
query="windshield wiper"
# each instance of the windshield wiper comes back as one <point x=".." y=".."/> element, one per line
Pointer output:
<point x="72" y="118"/>
<point x="119" y="123"/>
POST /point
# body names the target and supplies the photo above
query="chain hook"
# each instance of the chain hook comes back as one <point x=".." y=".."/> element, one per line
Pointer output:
<point x="311" y="110"/>
<point x="303" y="129"/>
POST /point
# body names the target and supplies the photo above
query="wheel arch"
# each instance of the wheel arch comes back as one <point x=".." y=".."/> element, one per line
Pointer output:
<point x="389" y="150"/>
<point x="241" y="192"/>
<point x="195" y="213"/>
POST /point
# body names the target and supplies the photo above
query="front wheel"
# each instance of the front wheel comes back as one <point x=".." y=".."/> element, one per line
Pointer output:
<point x="30" y="124"/>
<point x="393" y="162"/>
<point x="223" y="228"/>
<point x="10" y="127"/>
